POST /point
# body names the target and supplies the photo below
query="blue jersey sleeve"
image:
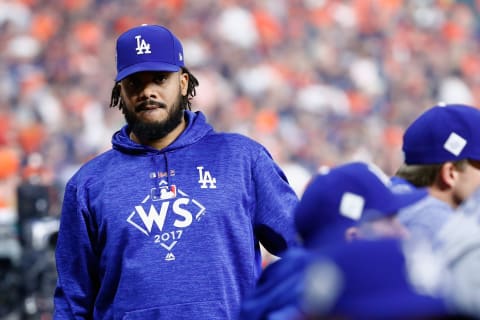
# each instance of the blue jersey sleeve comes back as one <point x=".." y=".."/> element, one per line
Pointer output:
<point x="275" y="203"/>
<point x="76" y="260"/>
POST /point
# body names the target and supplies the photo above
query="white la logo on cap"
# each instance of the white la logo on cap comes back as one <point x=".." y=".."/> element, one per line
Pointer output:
<point x="143" y="47"/>
<point x="351" y="205"/>
<point x="455" y="144"/>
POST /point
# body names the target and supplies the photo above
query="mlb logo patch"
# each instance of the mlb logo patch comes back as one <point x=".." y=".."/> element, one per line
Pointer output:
<point x="455" y="144"/>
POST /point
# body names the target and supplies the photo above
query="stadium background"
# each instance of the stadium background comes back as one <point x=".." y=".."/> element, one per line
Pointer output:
<point x="317" y="82"/>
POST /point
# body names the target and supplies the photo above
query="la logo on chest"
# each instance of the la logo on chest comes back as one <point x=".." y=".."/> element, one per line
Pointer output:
<point x="205" y="179"/>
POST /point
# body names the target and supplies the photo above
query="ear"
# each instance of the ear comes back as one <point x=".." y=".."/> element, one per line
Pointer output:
<point x="352" y="234"/>
<point x="184" y="83"/>
<point x="448" y="175"/>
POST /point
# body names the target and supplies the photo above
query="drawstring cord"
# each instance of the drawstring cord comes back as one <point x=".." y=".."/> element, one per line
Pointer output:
<point x="163" y="187"/>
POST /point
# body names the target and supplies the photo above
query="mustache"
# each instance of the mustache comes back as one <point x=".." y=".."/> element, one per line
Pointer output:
<point x="146" y="105"/>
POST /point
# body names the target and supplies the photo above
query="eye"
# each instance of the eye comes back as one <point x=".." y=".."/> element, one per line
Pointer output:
<point x="132" y="83"/>
<point x="160" y="77"/>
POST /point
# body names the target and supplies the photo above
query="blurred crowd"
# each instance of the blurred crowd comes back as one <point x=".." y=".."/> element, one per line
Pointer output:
<point x="318" y="82"/>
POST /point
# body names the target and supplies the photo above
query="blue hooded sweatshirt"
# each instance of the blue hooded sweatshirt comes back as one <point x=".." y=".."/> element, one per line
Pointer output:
<point x="171" y="233"/>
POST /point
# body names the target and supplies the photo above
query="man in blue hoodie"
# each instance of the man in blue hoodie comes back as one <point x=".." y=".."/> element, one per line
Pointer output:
<point x="168" y="223"/>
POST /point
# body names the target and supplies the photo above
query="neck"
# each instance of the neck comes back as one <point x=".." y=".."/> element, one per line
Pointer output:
<point x="443" y="195"/>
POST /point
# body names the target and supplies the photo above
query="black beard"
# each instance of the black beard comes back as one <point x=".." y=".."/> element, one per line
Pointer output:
<point x="154" y="130"/>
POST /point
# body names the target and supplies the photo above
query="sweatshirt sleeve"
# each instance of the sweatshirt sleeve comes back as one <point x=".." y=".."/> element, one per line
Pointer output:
<point x="275" y="203"/>
<point x="76" y="260"/>
<point x="279" y="289"/>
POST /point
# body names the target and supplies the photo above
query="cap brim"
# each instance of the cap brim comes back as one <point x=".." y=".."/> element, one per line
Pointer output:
<point x="146" y="66"/>
<point x="403" y="200"/>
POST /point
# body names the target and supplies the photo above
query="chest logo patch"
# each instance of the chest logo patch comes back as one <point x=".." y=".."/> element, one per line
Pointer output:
<point x="165" y="216"/>
<point x="205" y="179"/>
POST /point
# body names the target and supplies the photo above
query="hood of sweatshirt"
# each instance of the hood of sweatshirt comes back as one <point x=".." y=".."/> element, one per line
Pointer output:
<point x="197" y="127"/>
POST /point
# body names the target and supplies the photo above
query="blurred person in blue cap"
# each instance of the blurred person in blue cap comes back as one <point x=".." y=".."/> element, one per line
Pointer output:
<point x="354" y="200"/>
<point x="168" y="223"/>
<point x="458" y="245"/>
<point x="340" y="205"/>
<point x="442" y="154"/>
<point x="370" y="280"/>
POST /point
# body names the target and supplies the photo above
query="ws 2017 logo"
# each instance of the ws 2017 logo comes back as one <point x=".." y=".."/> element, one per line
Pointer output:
<point x="166" y="220"/>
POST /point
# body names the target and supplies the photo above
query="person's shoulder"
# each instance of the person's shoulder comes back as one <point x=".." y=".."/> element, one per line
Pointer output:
<point x="235" y="140"/>
<point x="427" y="209"/>
<point x="219" y="137"/>
<point x="94" y="166"/>
<point x="437" y="205"/>
<point x="234" y="137"/>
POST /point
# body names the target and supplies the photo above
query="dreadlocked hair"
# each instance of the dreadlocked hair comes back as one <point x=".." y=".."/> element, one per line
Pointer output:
<point x="116" y="100"/>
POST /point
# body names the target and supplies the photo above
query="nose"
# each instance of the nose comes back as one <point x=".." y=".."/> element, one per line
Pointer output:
<point x="149" y="91"/>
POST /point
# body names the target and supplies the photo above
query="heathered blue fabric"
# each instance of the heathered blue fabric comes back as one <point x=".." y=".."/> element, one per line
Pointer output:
<point x="123" y="253"/>
<point x="425" y="218"/>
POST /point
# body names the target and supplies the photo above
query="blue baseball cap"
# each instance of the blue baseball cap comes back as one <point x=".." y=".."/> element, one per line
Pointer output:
<point x="345" y="196"/>
<point x="445" y="132"/>
<point x="368" y="280"/>
<point x="148" y="48"/>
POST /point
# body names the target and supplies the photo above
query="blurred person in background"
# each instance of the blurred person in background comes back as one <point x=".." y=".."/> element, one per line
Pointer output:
<point x="168" y="223"/>
<point x="372" y="280"/>
<point x="347" y="203"/>
<point x="38" y="212"/>
<point x="442" y="154"/>
<point x="458" y="245"/>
